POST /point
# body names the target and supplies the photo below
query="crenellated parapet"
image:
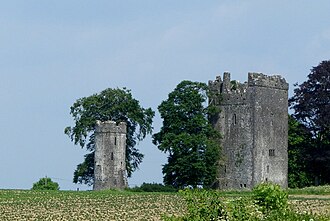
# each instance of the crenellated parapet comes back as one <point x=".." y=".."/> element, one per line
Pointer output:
<point x="261" y="80"/>
<point x="230" y="91"/>
<point x="110" y="126"/>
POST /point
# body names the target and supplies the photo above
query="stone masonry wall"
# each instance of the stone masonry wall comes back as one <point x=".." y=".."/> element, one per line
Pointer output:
<point x="110" y="155"/>
<point x="253" y="123"/>
<point x="269" y="100"/>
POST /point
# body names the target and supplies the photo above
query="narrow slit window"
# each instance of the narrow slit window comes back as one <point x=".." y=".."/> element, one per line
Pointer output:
<point x="115" y="141"/>
<point x="111" y="155"/>
<point x="272" y="152"/>
<point x="267" y="169"/>
<point x="234" y="119"/>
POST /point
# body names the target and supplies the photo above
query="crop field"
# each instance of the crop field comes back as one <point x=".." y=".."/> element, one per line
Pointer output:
<point x="103" y="205"/>
<point x="112" y="205"/>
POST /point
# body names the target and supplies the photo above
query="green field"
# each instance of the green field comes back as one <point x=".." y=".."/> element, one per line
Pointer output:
<point x="87" y="205"/>
<point x="116" y="205"/>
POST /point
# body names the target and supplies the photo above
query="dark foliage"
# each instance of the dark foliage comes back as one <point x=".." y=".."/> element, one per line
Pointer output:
<point x="153" y="187"/>
<point x="311" y="102"/>
<point x="299" y="154"/>
<point x="85" y="170"/>
<point x="311" y="105"/>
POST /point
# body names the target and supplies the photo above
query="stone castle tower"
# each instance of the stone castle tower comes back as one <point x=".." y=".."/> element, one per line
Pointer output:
<point x="110" y="155"/>
<point x="254" y="124"/>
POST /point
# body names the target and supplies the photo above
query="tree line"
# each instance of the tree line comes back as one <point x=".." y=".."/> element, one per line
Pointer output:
<point x="189" y="139"/>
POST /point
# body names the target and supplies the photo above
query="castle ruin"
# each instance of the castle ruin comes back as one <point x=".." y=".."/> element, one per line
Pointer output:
<point x="254" y="124"/>
<point x="110" y="155"/>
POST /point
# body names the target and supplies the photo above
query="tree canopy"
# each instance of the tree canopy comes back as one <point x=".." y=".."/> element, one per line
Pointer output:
<point x="111" y="104"/>
<point x="311" y="101"/>
<point x="188" y="137"/>
<point x="45" y="183"/>
<point x="311" y="105"/>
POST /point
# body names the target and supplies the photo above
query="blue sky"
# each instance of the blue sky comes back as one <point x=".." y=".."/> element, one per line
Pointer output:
<point x="54" y="52"/>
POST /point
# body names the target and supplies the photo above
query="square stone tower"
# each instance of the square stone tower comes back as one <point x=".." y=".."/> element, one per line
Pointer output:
<point x="254" y="124"/>
<point x="110" y="155"/>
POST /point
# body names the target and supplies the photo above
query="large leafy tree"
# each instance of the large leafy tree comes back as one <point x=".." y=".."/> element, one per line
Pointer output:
<point x="111" y="104"/>
<point x="299" y="152"/>
<point x="311" y="101"/>
<point x="188" y="137"/>
<point x="311" y="105"/>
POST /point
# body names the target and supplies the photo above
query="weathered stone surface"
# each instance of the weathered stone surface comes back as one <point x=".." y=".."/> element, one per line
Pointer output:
<point x="110" y="155"/>
<point x="254" y="124"/>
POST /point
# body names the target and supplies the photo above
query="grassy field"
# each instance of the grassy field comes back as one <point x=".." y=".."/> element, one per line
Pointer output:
<point x="116" y="205"/>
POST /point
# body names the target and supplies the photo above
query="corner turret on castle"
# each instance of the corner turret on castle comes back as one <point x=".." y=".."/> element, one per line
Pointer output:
<point x="254" y="124"/>
<point x="110" y="155"/>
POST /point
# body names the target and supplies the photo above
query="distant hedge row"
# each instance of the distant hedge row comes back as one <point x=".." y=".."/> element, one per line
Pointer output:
<point x="153" y="187"/>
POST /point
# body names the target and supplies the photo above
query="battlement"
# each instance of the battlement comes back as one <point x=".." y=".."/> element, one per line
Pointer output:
<point x="261" y="80"/>
<point x="231" y="91"/>
<point x="227" y="86"/>
<point x="110" y="127"/>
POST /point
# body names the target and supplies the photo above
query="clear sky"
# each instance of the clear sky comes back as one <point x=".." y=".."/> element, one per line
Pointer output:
<point x="54" y="52"/>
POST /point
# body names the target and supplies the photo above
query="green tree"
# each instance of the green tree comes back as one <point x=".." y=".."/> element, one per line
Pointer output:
<point x="311" y="105"/>
<point x="299" y="154"/>
<point x="111" y="104"/>
<point x="45" y="184"/>
<point x="188" y="137"/>
<point x="311" y="101"/>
